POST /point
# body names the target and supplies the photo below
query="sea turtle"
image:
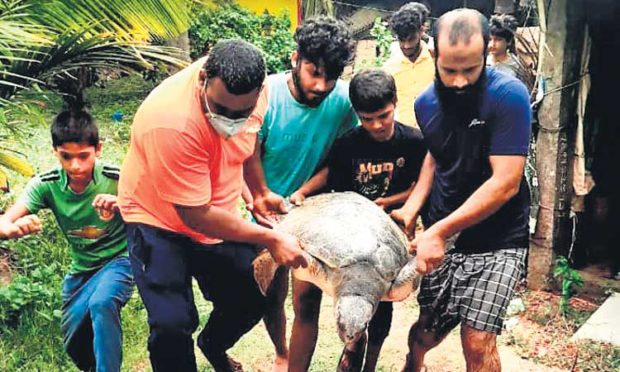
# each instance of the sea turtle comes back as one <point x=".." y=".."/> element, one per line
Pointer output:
<point x="358" y="255"/>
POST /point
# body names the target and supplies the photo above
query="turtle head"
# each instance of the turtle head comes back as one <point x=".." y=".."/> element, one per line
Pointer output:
<point x="353" y="313"/>
<point x="358" y="291"/>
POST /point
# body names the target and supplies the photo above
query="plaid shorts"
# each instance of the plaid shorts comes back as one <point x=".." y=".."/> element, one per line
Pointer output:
<point x="473" y="288"/>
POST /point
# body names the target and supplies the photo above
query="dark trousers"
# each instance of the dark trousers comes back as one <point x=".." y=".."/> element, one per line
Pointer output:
<point x="379" y="326"/>
<point x="164" y="264"/>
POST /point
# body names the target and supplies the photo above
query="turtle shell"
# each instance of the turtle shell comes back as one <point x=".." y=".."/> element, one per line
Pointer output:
<point x="343" y="228"/>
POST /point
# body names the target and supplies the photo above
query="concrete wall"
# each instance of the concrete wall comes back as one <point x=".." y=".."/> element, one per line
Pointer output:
<point x="275" y="7"/>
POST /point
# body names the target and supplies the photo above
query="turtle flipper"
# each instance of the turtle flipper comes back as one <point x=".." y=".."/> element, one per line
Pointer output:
<point x="264" y="270"/>
<point x="406" y="282"/>
<point x="315" y="273"/>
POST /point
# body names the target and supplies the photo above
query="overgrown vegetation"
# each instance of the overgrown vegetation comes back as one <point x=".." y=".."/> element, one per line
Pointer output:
<point x="270" y="33"/>
<point x="382" y="39"/>
<point x="62" y="45"/>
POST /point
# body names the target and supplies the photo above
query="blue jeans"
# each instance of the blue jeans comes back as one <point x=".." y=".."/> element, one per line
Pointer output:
<point x="164" y="264"/>
<point x="91" y="315"/>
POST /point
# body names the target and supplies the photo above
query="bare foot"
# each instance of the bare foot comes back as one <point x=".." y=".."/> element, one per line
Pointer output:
<point x="224" y="363"/>
<point x="280" y="364"/>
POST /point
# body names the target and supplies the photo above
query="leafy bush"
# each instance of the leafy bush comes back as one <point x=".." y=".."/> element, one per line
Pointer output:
<point x="29" y="292"/>
<point x="271" y="34"/>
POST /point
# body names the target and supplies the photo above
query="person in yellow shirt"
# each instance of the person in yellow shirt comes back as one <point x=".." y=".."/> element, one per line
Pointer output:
<point x="412" y="66"/>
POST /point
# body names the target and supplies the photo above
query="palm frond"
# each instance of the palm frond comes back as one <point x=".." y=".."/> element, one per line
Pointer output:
<point x="126" y="19"/>
<point x="16" y="164"/>
<point x="78" y="34"/>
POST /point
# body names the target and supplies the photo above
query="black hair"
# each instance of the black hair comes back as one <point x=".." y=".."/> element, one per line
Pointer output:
<point x="372" y="90"/>
<point x="74" y="126"/>
<point x="408" y="20"/>
<point x="325" y="42"/>
<point x="503" y="26"/>
<point x="239" y="64"/>
<point x="465" y="24"/>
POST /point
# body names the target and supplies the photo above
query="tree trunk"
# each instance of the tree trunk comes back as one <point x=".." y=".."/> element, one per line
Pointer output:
<point x="181" y="42"/>
<point x="559" y="62"/>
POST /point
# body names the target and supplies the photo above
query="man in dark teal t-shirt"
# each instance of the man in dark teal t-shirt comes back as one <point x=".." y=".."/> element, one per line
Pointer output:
<point x="476" y="124"/>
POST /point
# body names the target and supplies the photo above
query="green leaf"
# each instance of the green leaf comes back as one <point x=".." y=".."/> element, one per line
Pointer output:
<point x="16" y="164"/>
<point x="4" y="182"/>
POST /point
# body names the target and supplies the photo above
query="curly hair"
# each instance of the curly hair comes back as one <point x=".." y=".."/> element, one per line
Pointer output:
<point x="239" y="64"/>
<point x="371" y="90"/>
<point x="325" y="42"/>
<point x="503" y="26"/>
<point x="408" y="20"/>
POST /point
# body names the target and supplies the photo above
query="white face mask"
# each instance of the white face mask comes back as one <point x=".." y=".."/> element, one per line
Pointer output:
<point x="224" y="126"/>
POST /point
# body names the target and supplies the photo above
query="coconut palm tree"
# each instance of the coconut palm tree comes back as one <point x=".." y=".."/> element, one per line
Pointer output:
<point x="66" y="36"/>
<point x="60" y="44"/>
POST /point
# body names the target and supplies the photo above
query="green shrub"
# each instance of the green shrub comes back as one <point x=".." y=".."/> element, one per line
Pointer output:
<point x="27" y="293"/>
<point x="270" y="33"/>
<point x="570" y="279"/>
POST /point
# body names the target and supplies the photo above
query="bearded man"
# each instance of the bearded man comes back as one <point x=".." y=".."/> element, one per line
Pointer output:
<point x="308" y="108"/>
<point x="476" y="124"/>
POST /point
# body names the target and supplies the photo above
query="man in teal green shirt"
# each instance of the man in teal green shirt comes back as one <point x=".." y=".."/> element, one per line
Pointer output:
<point x="82" y="195"/>
<point x="308" y="108"/>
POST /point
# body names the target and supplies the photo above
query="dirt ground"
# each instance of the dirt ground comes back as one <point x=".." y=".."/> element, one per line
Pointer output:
<point x="447" y="357"/>
<point x="518" y="348"/>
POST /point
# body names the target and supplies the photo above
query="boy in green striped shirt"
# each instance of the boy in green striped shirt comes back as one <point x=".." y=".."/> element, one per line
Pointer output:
<point x="81" y="193"/>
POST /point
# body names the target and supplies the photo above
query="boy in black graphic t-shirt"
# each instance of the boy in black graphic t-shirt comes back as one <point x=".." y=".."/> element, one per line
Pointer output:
<point x="381" y="159"/>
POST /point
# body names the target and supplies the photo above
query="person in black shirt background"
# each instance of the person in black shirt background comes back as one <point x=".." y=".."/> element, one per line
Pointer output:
<point x="381" y="159"/>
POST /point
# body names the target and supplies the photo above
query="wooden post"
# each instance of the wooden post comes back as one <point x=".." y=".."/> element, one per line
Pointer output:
<point x="181" y="42"/>
<point x="560" y="55"/>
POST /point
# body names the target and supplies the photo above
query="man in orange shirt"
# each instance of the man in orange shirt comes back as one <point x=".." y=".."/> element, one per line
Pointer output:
<point x="178" y="193"/>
